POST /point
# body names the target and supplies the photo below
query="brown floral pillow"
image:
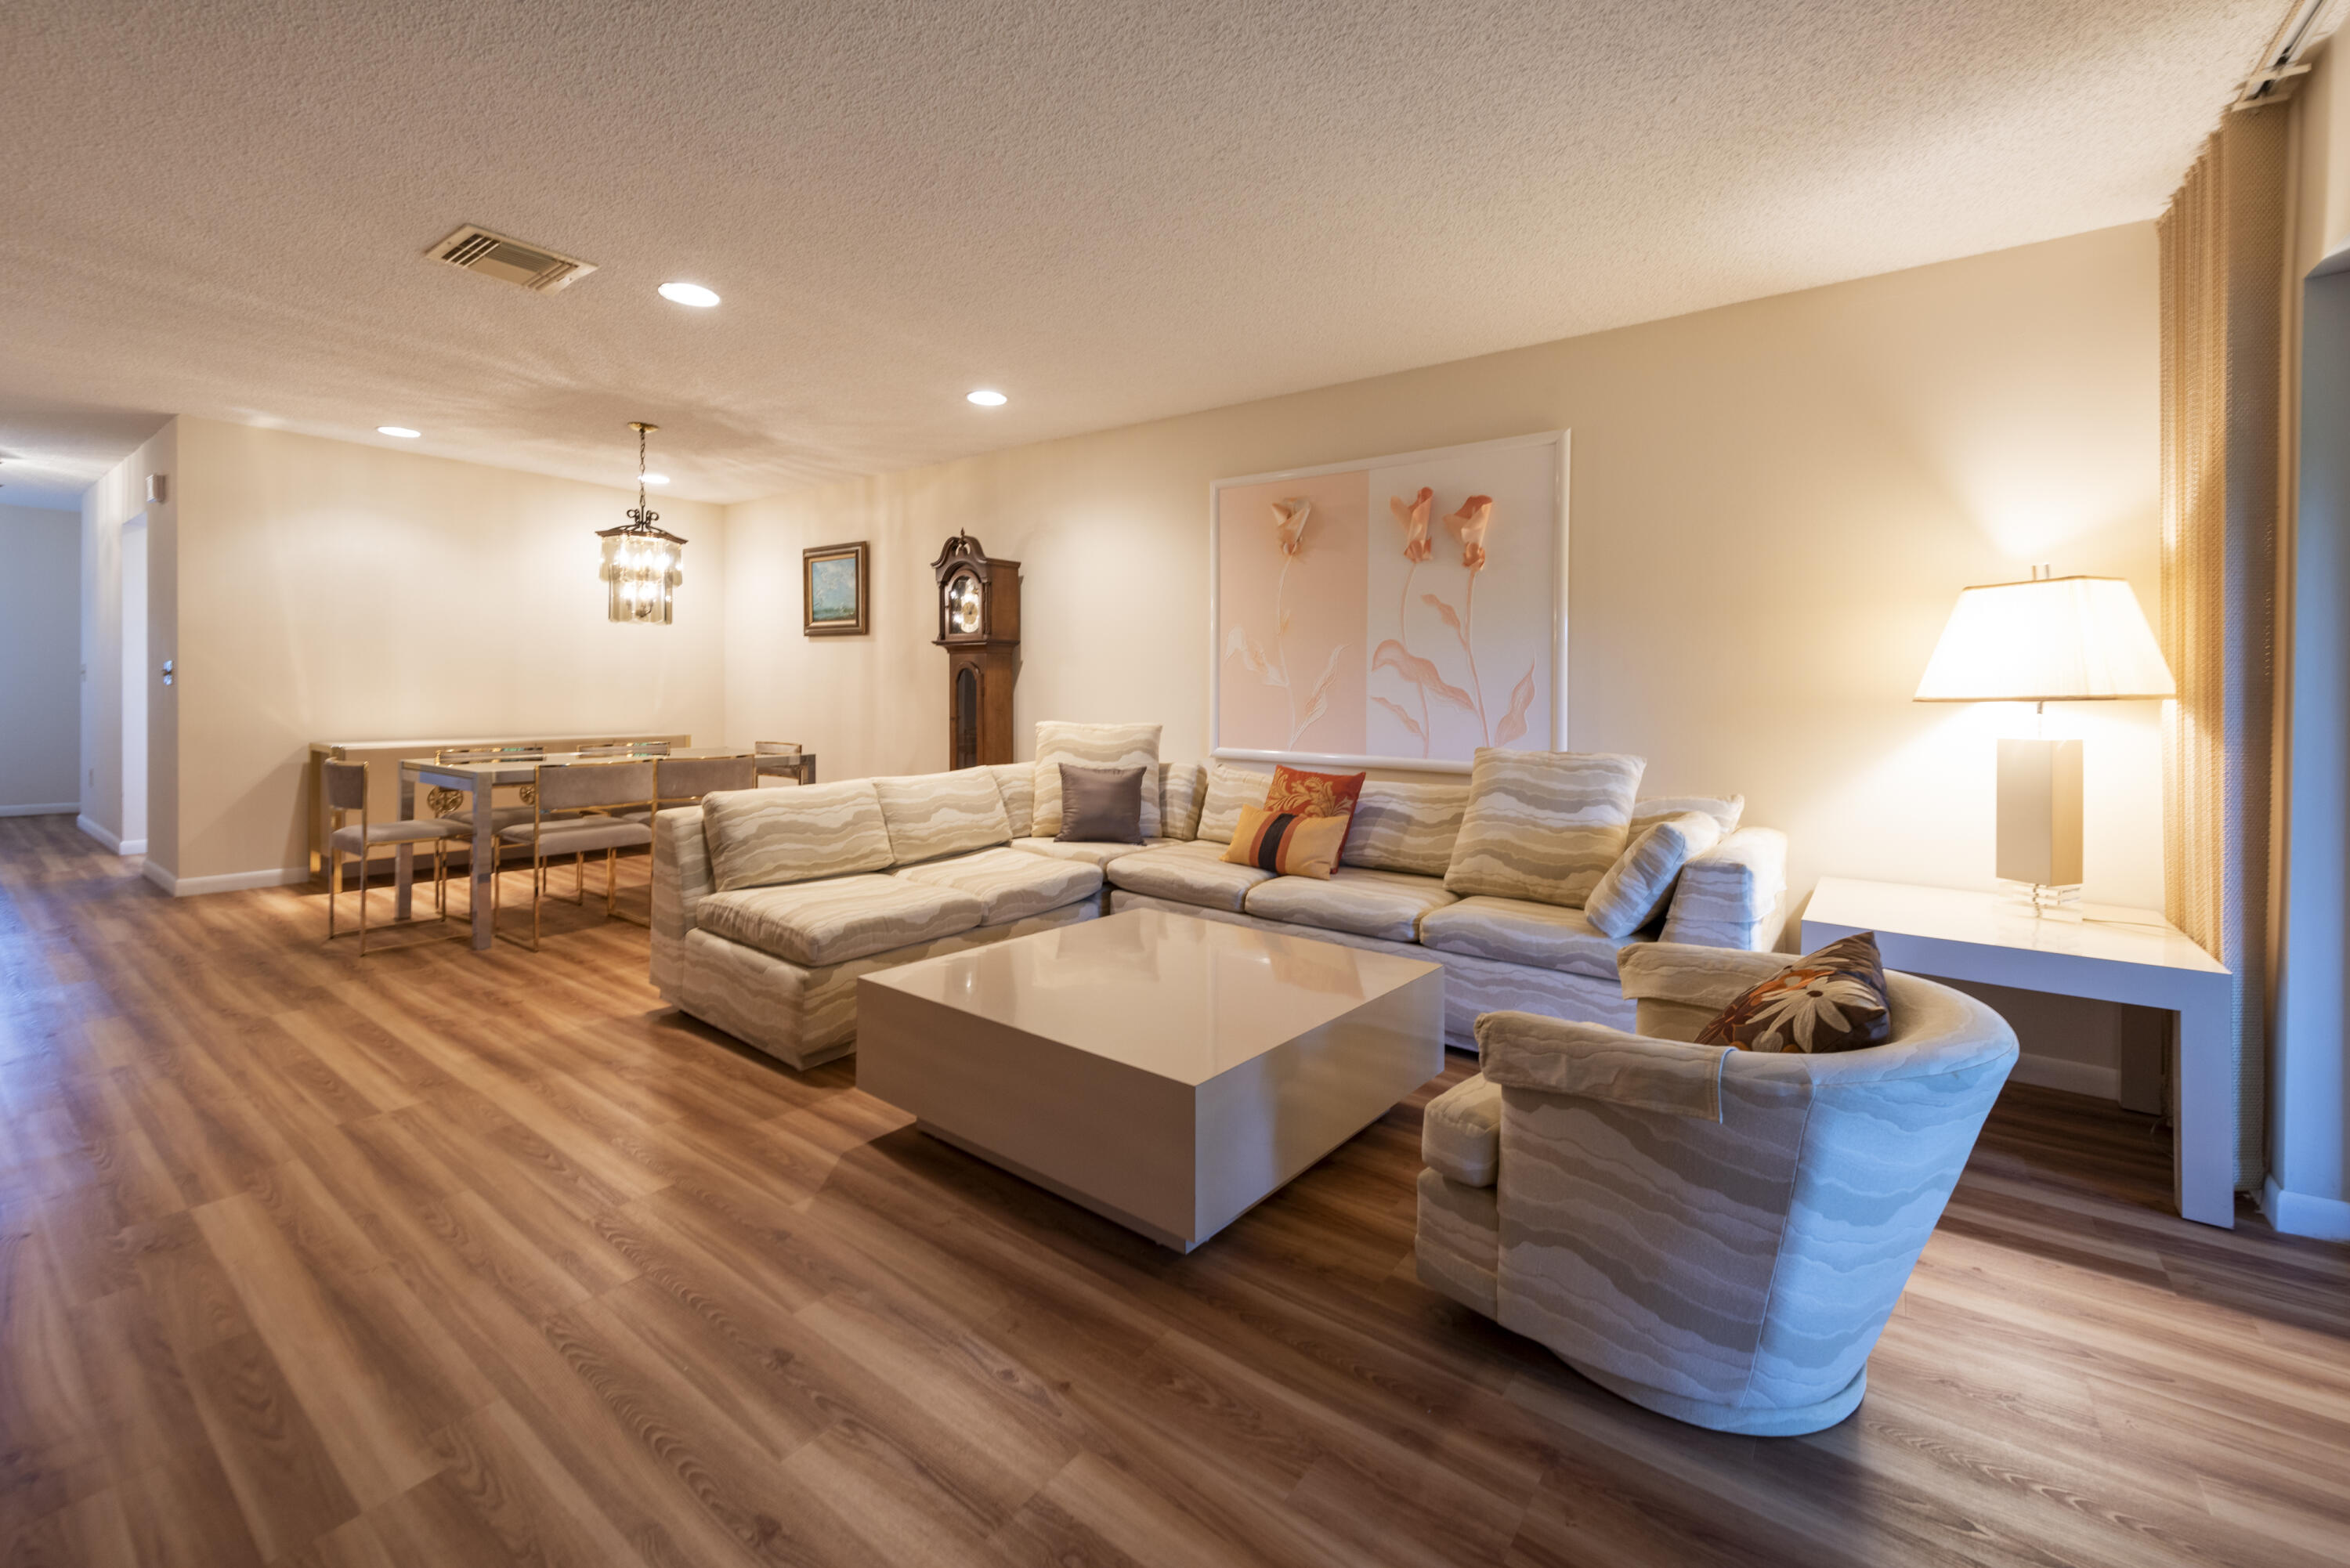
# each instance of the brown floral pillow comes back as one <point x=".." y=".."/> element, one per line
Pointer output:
<point x="1832" y="999"/>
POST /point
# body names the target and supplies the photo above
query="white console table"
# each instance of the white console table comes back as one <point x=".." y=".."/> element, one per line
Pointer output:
<point x="2132" y="956"/>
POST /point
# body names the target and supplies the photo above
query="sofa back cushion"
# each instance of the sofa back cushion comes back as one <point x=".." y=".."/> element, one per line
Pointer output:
<point x="1544" y="825"/>
<point x="761" y="838"/>
<point x="1101" y="745"/>
<point x="1651" y="809"/>
<point x="1407" y="826"/>
<point x="931" y="814"/>
<point x="1229" y="789"/>
<point x="1181" y="788"/>
<point x="1016" y="782"/>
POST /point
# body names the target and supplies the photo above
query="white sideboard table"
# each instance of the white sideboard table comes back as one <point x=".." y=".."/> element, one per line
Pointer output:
<point x="2133" y="956"/>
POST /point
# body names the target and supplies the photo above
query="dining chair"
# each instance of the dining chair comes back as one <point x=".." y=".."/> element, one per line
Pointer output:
<point x="578" y="808"/>
<point x="626" y="749"/>
<point x="501" y="816"/>
<point x="791" y="749"/>
<point x="681" y="781"/>
<point x="346" y="791"/>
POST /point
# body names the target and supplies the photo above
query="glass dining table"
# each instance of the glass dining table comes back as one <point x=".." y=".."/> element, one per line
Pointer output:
<point x="477" y="780"/>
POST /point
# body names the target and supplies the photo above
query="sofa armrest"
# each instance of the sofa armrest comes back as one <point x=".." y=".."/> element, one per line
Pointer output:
<point x="1593" y="1062"/>
<point x="1729" y="896"/>
<point x="683" y="877"/>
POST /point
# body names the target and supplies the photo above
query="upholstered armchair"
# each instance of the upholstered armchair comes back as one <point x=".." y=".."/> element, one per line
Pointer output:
<point x="1715" y="1235"/>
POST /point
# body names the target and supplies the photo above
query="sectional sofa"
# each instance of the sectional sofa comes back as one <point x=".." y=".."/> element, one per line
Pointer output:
<point x="768" y="904"/>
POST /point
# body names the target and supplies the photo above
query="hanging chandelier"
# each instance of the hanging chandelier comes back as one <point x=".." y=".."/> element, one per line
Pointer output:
<point x="641" y="562"/>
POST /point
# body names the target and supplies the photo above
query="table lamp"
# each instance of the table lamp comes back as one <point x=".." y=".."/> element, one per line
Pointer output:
<point x="2049" y="639"/>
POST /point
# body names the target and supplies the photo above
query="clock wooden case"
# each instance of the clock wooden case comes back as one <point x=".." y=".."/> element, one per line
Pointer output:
<point x="978" y="626"/>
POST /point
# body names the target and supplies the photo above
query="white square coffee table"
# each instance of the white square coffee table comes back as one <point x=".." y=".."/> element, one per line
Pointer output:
<point x="1165" y="1073"/>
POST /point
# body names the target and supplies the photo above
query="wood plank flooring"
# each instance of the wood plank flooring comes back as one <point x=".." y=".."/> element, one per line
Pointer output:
<point x="438" y="1259"/>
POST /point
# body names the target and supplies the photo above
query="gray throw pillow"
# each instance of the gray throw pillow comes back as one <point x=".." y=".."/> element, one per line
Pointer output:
<point x="1101" y="805"/>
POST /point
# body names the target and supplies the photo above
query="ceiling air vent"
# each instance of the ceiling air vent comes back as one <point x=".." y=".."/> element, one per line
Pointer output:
<point x="494" y="255"/>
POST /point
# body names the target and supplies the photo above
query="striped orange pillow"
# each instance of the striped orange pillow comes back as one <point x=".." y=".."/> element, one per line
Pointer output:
<point x="1288" y="841"/>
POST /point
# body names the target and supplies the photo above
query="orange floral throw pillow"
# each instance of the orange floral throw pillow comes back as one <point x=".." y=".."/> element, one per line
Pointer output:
<point x="1832" y="999"/>
<point x="1287" y="842"/>
<point x="1314" y="795"/>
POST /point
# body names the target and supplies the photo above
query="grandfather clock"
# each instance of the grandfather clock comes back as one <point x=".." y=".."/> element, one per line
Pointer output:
<point x="978" y="626"/>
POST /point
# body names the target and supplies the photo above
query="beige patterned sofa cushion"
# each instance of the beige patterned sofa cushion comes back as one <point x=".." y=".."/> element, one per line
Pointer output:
<point x="759" y="837"/>
<point x="1407" y="826"/>
<point x="1193" y="873"/>
<point x="1518" y="930"/>
<point x="1635" y="889"/>
<point x="1651" y="809"/>
<point x="1010" y="884"/>
<point x="817" y="923"/>
<point x="1230" y="788"/>
<point x="1460" y="1132"/>
<point x="1369" y="903"/>
<point x="1092" y="745"/>
<point x="1542" y="825"/>
<point x="931" y="814"/>
<point x="1182" y="787"/>
<point x="1016" y="782"/>
<point x="1081" y="849"/>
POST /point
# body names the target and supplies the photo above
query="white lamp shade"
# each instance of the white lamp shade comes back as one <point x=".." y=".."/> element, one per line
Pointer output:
<point x="2053" y="639"/>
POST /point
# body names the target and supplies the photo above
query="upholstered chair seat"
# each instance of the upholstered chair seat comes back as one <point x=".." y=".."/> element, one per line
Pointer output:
<point x="584" y="834"/>
<point x="1713" y="1234"/>
<point x="419" y="830"/>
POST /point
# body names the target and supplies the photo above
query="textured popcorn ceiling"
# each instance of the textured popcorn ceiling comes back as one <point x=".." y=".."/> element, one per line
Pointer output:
<point x="1114" y="211"/>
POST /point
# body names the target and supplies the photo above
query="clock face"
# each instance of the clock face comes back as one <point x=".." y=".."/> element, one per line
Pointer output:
<point x="962" y="603"/>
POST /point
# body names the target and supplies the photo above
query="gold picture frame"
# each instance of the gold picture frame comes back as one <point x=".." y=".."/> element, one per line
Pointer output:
<point x="823" y="579"/>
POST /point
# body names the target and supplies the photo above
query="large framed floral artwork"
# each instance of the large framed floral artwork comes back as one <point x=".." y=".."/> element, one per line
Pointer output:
<point x="1397" y="612"/>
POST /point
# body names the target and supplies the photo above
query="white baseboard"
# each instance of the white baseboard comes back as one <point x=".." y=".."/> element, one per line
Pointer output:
<point x="2073" y="1077"/>
<point x="63" y="808"/>
<point x="106" y="838"/>
<point x="2304" y="1214"/>
<point x="232" y="882"/>
<point x="132" y="846"/>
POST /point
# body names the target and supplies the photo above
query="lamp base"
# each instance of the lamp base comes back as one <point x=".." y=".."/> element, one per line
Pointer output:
<point x="2044" y="902"/>
<point x="2040" y="813"/>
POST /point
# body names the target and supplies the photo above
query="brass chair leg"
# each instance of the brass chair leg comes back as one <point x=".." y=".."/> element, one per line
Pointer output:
<point x="363" y="892"/>
<point x="334" y="879"/>
<point x="612" y="879"/>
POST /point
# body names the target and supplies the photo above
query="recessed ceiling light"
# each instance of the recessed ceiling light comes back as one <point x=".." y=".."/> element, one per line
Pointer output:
<point x="656" y="478"/>
<point x="987" y="397"/>
<point x="692" y="294"/>
<point x="402" y="432"/>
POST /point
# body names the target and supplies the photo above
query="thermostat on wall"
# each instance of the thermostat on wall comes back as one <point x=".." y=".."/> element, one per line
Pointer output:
<point x="159" y="487"/>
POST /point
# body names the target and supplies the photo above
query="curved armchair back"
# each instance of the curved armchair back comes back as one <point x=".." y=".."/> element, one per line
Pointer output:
<point x="1743" y="1254"/>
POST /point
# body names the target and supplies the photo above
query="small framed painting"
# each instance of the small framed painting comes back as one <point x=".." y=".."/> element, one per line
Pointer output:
<point x="833" y="589"/>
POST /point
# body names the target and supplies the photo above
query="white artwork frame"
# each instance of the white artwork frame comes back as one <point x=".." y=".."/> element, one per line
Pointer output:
<point x="1559" y="440"/>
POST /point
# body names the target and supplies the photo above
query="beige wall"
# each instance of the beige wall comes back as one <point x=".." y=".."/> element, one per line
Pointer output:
<point x="330" y="590"/>
<point x="116" y="499"/>
<point x="1773" y="506"/>
<point x="40" y="656"/>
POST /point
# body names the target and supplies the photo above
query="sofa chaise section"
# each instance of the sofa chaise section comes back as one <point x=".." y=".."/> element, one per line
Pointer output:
<point x="767" y="905"/>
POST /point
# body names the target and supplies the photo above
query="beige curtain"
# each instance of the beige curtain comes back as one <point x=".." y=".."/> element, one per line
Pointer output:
<point x="2223" y="244"/>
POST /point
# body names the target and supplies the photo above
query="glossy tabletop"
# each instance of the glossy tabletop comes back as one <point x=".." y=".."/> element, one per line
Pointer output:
<point x="1181" y="999"/>
<point x="2109" y="934"/>
<point x="518" y="770"/>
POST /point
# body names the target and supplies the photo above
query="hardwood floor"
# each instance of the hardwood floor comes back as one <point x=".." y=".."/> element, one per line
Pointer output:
<point x="440" y="1258"/>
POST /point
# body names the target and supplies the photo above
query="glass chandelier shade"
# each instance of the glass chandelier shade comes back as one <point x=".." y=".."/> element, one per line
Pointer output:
<point x="644" y="564"/>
